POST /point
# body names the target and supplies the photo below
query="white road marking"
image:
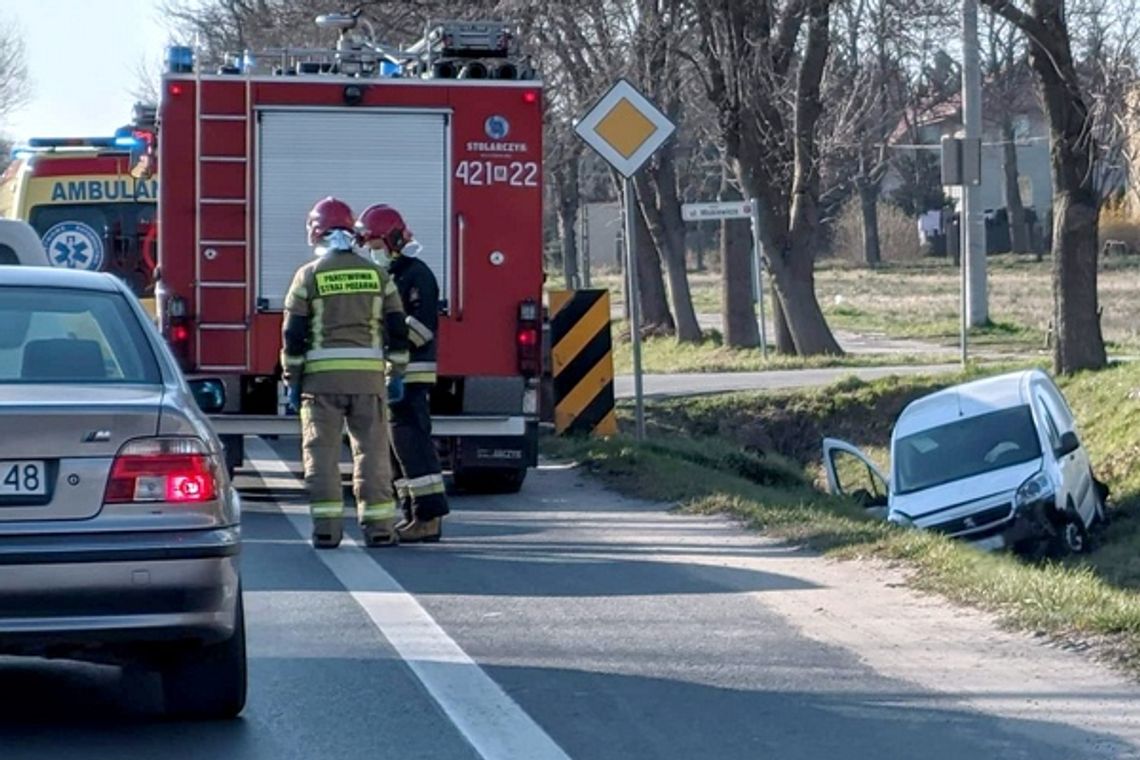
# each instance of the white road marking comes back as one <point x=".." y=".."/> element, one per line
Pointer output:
<point x="490" y="720"/>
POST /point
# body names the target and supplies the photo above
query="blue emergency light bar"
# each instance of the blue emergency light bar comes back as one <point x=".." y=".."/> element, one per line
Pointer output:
<point x="126" y="142"/>
<point x="73" y="142"/>
<point x="179" y="59"/>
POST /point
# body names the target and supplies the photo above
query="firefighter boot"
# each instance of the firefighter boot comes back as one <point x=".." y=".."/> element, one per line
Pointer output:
<point x="380" y="532"/>
<point x="327" y="533"/>
<point x="422" y="531"/>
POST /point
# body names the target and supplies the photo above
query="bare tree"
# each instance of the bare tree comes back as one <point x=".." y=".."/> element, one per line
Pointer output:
<point x="591" y="43"/>
<point x="148" y="82"/>
<point x="15" y="89"/>
<point x="765" y="85"/>
<point x="1078" y="342"/>
<point x="1008" y="94"/>
<point x="658" y="63"/>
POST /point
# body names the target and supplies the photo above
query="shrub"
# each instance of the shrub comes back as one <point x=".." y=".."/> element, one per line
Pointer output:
<point x="898" y="234"/>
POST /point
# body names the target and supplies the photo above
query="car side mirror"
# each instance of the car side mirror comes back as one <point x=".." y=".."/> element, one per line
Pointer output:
<point x="1069" y="444"/>
<point x="210" y="394"/>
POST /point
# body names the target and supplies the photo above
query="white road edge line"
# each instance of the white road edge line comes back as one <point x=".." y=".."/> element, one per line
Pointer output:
<point x="488" y="718"/>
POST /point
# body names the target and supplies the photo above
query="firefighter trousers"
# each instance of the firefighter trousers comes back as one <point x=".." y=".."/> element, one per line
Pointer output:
<point x="419" y="478"/>
<point x="323" y="418"/>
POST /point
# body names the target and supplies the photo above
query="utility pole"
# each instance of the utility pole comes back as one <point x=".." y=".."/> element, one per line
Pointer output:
<point x="973" y="228"/>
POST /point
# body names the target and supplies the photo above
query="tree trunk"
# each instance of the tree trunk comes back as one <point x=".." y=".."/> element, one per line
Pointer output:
<point x="1015" y="211"/>
<point x="662" y="211"/>
<point x="1076" y="321"/>
<point x="655" y="316"/>
<point x="1078" y="342"/>
<point x="794" y="280"/>
<point x="869" y="205"/>
<point x="568" y="204"/>
<point x="737" y="312"/>
<point x="780" y="329"/>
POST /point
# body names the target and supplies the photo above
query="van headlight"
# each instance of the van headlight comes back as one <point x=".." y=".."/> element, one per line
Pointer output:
<point x="1037" y="488"/>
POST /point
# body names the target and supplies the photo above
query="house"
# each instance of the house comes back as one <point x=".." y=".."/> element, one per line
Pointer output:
<point x="1014" y="103"/>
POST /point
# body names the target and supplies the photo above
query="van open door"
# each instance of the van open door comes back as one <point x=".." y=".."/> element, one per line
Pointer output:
<point x="851" y="473"/>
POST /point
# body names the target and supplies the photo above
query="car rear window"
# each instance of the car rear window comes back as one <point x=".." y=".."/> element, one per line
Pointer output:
<point x="67" y="336"/>
<point x="965" y="448"/>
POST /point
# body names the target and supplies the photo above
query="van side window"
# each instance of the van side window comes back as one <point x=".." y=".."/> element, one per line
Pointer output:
<point x="1058" y="407"/>
<point x="1050" y="423"/>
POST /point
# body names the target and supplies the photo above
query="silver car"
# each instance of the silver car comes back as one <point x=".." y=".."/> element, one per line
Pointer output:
<point x="119" y="528"/>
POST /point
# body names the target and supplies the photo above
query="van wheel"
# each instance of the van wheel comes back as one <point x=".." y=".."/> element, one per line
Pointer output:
<point x="210" y="682"/>
<point x="1072" y="537"/>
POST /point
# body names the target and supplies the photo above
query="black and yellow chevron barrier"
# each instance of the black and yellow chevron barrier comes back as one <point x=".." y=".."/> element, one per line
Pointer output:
<point x="583" y="362"/>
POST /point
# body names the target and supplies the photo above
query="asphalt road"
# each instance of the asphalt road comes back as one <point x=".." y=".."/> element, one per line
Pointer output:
<point x="561" y="622"/>
<point x="698" y="383"/>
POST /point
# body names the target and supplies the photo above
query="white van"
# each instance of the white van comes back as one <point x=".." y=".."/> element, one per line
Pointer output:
<point x="996" y="462"/>
<point x="20" y="245"/>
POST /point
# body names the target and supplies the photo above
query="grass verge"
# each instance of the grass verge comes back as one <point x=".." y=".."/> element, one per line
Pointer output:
<point x="698" y="459"/>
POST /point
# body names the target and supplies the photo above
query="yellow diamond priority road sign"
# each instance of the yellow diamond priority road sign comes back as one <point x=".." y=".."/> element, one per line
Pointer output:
<point x="624" y="128"/>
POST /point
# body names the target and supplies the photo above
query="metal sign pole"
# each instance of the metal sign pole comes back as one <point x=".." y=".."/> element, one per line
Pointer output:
<point x="634" y="308"/>
<point x="963" y="267"/>
<point x="758" y="276"/>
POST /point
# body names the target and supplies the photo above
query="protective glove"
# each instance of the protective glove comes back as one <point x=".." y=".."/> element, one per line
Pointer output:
<point x="295" y="397"/>
<point x="395" y="390"/>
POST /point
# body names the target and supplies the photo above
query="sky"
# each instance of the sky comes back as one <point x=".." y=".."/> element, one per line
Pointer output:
<point x="82" y="58"/>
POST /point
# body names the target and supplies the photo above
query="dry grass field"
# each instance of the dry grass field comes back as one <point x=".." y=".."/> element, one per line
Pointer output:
<point x="920" y="300"/>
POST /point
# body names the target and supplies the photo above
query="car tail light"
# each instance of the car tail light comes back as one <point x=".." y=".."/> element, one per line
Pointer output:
<point x="528" y="338"/>
<point x="176" y="470"/>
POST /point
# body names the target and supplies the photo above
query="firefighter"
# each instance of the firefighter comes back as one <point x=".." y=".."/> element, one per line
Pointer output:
<point x="341" y="312"/>
<point x="419" y="484"/>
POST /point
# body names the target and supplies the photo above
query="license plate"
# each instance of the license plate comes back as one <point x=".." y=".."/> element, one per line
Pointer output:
<point x="23" y="479"/>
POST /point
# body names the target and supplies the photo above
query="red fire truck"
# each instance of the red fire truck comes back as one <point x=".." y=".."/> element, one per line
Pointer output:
<point x="449" y="131"/>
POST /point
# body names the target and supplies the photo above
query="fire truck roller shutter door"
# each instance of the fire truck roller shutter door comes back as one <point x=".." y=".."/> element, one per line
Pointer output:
<point x="302" y="152"/>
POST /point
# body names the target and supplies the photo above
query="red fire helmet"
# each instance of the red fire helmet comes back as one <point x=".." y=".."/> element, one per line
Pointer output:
<point x="327" y="215"/>
<point x="382" y="222"/>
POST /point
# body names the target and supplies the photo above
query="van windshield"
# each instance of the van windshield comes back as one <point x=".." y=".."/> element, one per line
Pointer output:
<point x="107" y="237"/>
<point x="964" y="448"/>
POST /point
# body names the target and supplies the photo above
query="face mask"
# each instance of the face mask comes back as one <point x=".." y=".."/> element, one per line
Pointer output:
<point x="376" y="255"/>
<point x="334" y="241"/>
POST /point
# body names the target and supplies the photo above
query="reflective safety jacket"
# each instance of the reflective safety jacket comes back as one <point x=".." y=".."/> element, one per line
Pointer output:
<point x="420" y="294"/>
<point x="341" y="313"/>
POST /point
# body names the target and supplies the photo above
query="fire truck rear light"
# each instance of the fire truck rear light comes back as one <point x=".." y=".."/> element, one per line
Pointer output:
<point x="175" y="470"/>
<point x="175" y="89"/>
<point x="528" y="339"/>
<point x="530" y="96"/>
<point x="179" y="333"/>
